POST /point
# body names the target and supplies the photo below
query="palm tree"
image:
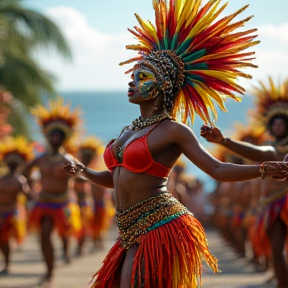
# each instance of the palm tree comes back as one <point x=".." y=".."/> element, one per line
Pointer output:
<point x="22" y="32"/>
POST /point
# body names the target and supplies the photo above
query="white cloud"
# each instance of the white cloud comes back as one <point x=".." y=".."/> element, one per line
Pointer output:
<point x="275" y="33"/>
<point x="96" y="55"/>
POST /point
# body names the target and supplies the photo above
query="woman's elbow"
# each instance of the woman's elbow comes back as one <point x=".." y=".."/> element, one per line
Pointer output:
<point x="218" y="173"/>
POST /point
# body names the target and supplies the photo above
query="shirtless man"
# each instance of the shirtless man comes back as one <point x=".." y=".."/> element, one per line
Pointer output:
<point x="54" y="208"/>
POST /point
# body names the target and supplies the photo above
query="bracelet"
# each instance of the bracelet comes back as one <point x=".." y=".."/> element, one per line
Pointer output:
<point x="83" y="169"/>
<point x="263" y="170"/>
<point x="226" y="139"/>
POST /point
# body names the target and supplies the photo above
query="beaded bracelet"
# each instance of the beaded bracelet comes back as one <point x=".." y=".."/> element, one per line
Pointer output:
<point x="226" y="139"/>
<point x="263" y="170"/>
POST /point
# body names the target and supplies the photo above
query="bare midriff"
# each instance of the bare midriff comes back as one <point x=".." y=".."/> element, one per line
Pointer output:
<point x="131" y="188"/>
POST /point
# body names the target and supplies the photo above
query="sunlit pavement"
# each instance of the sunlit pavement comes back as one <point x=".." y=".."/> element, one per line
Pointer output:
<point x="27" y="267"/>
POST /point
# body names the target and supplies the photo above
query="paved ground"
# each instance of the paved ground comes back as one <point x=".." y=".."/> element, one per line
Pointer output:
<point x="27" y="267"/>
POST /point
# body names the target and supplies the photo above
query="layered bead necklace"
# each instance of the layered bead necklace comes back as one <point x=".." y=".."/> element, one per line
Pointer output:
<point x="139" y="123"/>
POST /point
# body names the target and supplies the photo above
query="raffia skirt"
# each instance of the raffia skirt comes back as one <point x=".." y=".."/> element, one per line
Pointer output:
<point x="171" y="246"/>
<point x="13" y="225"/>
<point x="64" y="212"/>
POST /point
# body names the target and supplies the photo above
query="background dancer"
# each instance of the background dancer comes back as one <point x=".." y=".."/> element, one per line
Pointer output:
<point x="272" y="112"/>
<point x="54" y="208"/>
<point x="14" y="152"/>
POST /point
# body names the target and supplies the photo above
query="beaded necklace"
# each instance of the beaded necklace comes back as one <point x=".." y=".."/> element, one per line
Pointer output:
<point x="139" y="123"/>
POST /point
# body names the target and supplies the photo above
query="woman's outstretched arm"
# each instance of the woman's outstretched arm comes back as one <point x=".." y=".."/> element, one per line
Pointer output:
<point x="184" y="137"/>
<point x="75" y="168"/>
<point x="252" y="152"/>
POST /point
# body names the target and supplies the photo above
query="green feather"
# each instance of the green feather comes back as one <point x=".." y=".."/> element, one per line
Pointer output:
<point x="184" y="46"/>
<point x="198" y="66"/>
<point x="191" y="77"/>
<point x="174" y="41"/>
<point x="196" y="55"/>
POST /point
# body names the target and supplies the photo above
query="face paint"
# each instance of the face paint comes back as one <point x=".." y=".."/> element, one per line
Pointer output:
<point x="145" y="82"/>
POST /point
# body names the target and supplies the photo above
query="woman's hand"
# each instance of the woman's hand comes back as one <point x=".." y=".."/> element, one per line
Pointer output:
<point x="274" y="169"/>
<point x="212" y="134"/>
<point x="73" y="166"/>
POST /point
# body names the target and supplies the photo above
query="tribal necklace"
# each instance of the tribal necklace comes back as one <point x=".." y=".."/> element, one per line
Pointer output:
<point x="139" y="123"/>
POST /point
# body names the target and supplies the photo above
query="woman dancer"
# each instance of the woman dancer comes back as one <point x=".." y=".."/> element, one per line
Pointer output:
<point x="185" y="61"/>
<point x="87" y="153"/>
<point x="271" y="112"/>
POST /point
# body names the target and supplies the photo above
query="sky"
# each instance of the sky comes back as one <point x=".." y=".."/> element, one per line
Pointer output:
<point x="97" y="33"/>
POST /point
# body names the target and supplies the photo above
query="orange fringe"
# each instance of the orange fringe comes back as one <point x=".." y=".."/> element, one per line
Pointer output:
<point x="170" y="255"/>
<point x="86" y="218"/>
<point x="101" y="219"/>
<point x="66" y="217"/>
<point x="13" y="225"/>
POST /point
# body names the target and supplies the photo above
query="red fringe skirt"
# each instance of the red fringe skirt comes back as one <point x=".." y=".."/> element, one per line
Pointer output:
<point x="100" y="220"/>
<point x="13" y="225"/>
<point x="272" y="210"/>
<point x="171" y="246"/>
<point x="65" y="215"/>
<point x="86" y="212"/>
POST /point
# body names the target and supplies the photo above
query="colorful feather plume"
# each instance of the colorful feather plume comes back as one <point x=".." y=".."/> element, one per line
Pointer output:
<point x="211" y="50"/>
<point x="271" y="100"/>
<point x="15" y="146"/>
<point x="57" y="116"/>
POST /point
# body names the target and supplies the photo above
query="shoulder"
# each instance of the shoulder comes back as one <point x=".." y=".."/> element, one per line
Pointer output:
<point x="127" y="127"/>
<point x="282" y="149"/>
<point x="174" y="126"/>
<point x="37" y="160"/>
<point x="176" y="130"/>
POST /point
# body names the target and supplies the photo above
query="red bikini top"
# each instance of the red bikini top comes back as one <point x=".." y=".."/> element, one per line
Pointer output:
<point x="136" y="158"/>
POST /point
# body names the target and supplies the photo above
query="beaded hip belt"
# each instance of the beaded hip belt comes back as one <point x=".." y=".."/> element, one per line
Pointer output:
<point x="146" y="216"/>
<point x="266" y="201"/>
<point x="54" y="198"/>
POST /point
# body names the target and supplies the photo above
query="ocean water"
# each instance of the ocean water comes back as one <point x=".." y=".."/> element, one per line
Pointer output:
<point x="106" y="113"/>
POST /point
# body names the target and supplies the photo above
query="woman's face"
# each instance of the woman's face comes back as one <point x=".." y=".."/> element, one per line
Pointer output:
<point x="279" y="128"/>
<point x="142" y="86"/>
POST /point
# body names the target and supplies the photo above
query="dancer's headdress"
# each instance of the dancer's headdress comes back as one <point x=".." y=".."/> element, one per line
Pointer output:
<point x="253" y="131"/>
<point x="57" y="116"/>
<point x="270" y="101"/>
<point x="192" y="56"/>
<point x="91" y="145"/>
<point x="15" y="149"/>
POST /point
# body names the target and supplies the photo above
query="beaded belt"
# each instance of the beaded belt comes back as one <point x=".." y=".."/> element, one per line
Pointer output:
<point x="146" y="216"/>
<point x="54" y="198"/>
<point x="266" y="201"/>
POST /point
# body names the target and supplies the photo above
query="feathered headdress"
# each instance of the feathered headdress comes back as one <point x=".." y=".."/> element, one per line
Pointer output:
<point x="193" y="56"/>
<point x="15" y="149"/>
<point x="57" y="116"/>
<point x="91" y="145"/>
<point x="270" y="101"/>
<point x="253" y="132"/>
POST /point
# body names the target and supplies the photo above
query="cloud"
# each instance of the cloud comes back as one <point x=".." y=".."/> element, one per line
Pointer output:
<point x="96" y="55"/>
<point x="273" y="32"/>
